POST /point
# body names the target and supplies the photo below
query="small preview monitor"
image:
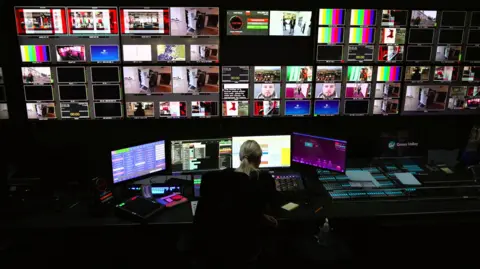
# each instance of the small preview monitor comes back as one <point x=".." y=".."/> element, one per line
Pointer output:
<point x="106" y="92"/>
<point x="387" y="90"/>
<point x="297" y="107"/>
<point x="35" y="53"/>
<point x="201" y="155"/>
<point x="235" y="74"/>
<point x="196" y="79"/>
<point x="71" y="74"/>
<point x="235" y="91"/>
<point x="70" y="53"/>
<point x="37" y="75"/>
<point x="386" y="107"/>
<point x="328" y="90"/>
<point x="266" y="108"/>
<point x="423" y="18"/>
<point x="359" y="73"/>
<point x="299" y="73"/>
<point x="329" y="73"/>
<point x="419" y="53"/>
<point x="360" y="53"/>
<point x="360" y="35"/>
<point x="93" y="21"/>
<point x="268" y="73"/>
<point x="140" y="110"/>
<point x="298" y="90"/>
<point x="448" y="53"/>
<point x="389" y="73"/>
<point x="40" y="21"/>
<point x="3" y="94"/>
<point x="248" y="22"/>
<point x="356" y="107"/>
<point x="394" y="18"/>
<point x="330" y="35"/>
<point x="330" y="53"/>
<point x="72" y="92"/>
<point x="390" y="53"/>
<point x="475" y="21"/>
<point x="331" y="16"/>
<point x="471" y="73"/>
<point x="4" y="111"/>
<point x="138" y="161"/>
<point x="142" y="80"/>
<point x="450" y="36"/>
<point x="146" y="21"/>
<point x="392" y="35"/>
<point x="108" y="110"/>
<point x="417" y="73"/>
<point x="104" y="53"/>
<point x="326" y="107"/>
<point x="472" y="54"/>
<point x="105" y="74"/>
<point x="137" y="53"/>
<point x="425" y="97"/>
<point x="204" y="109"/>
<point x="358" y="90"/>
<point x="194" y="21"/>
<point x="41" y="111"/>
<point x="206" y="53"/>
<point x="275" y="150"/>
<point x="453" y="18"/>
<point x="457" y="98"/>
<point x="421" y="36"/>
<point x="473" y="36"/>
<point x="77" y="110"/>
<point x="445" y="73"/>
<point x="326" y="153"/>
<point x="266" y="91"/>
<point x="175" y="53"/>
<point x="38" y="92"/>
<point x="290" y="23"/>
<point x="173" y="109"/>
<point x="235" y="108"/>
<point x="362" y="17"/>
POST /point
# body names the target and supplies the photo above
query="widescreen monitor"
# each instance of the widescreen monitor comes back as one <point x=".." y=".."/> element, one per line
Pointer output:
<point x="201" y="154"/>
<point x="326" y="153"/>
<point x="275" y="149"/>
<point x="134" y="162"/>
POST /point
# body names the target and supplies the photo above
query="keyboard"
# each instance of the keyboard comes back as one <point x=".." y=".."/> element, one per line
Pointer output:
<point x="288" y="182"/>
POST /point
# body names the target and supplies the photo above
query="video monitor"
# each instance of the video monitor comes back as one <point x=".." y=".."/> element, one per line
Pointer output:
<point x="40" y="21"/>
<point x="472" y="54"/>
<point x="421" y="36"/>
<point x="475" y="19"/>
<point x="473" y="91"/>
<point x="386" y="107"/>
<point x="360" y="53"/>
<point x="106" y="92"/>
<point x="392" y="35"/>
<point x="37" y="75"/>
<point x="143" y="21"/>
<point x="330" y="35"/>
<point x="330" y="53"/>
<point x="235" y="91"/>
<point x="248" y="22"/>
<point x="108" y="110"/>
<point x="423" y="18"/>
<point x="389" y="73"/>
<point x="235" y="74"/>
<point x="299" y="73"/>
<point x="358" y="90"/>
<point x="359" y="73"/>
<point x="453" y="18"/>
<point x="445" y="73"/>
<point x="298" y="90"/>
<point x="72" y="92"/>
<point x="356" y="107"/>
<point x="266" y="91"/>
<point x="204" y="109"/>
<point x="425" y="98"/>
<point x="71" y="74"/>
<point x="473" y="37"/>
<point x="276" y="150"/>
<point x="201" y="155"/>
<point x="137" y="53"/>
<point x="105" y="74"/>
<point x="450" y="36"/>
<point x="3" y="94"/>
<point x="419" y="53"/>
<point x="41" y="111"/>
<point x="417" y="73"/>
<point x="140" y="110"/>
<point x="204" y="53"/>
<point x="326" y="107"/>
<point x="38" y="92"/>
<point x="448" y="53"/>
<point x="325" y="153"/>
<point x="290" y="23"/>
<point x="93" y="21"/>
<point x="35" y="53"/>
<point x="148" y="79"/>
<point x="175" y="53"/>
<point x="297" y="108"/>
<point x="266" y="108"/>
<point x="105" y="53"/>
<point x="328" y="90"/>
<point x="71" y="53"/>
<point x="394" y="18"/>
<point x="194" y="21"/>
<point x="458" y="98"/>
<point x="331" y="16"/>
<point x="4" y="112"/>
<point x="387" y="90"/>
<point x="72" y="110"/>
<point x="390" y="53"/>
<point x="195" y="79"/>
<point x="329" y="73"/>
<point x="173" y="109"/>
<point x="362" y="17"/>
<point x="235" y="108"/>
<point x="471" y="73"/>
<point x="137" y="161"/>
<point x="268" y="73"/>
<point x="360" y="35"/>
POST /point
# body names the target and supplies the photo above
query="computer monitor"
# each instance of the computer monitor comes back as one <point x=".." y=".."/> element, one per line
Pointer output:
<point x="201" y="154"/>
<point x="138" y="161"/>
<point x="275" y="149"/>
<point x="326" y="153"/>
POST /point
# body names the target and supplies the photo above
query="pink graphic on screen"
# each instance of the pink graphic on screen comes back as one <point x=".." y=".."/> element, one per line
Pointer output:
<point x="320" y="152"/>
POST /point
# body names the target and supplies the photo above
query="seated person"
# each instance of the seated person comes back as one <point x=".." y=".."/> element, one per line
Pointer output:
<point x="231" y="220"/>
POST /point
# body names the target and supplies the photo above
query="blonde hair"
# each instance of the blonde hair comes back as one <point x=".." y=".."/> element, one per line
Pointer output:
<point x="250" y="155"/>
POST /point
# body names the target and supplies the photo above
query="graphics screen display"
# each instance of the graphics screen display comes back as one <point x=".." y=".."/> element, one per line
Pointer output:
<point x="201" y="154"/>
<point x="93" y="21"/>
<point x="137" y="53"/>
<point x="290" y="23"/>
<point x="105" y="53"/>
<point x="145" y="21"/>
<point x="425" y="97"/>
<point x="389" y="73"/>
<point x="330" y="35"/>
<point x="329" y="16"/>
<point x="359" y="35"/>
<point x="297" y="108"/>
<point x="35" y="53"/>
<point x="41" y="21"/>
<point x="360" y="53"/>
<point x="326" y="107"/>
<point x="320" y="152"/>
<point x="276" y="150"/>
<point x="362" y="17"/>
<point x="248" y="22"/>
<point x="77" y="110"/>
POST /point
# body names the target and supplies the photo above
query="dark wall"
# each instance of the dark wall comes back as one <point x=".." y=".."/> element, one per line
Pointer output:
<point x="69" y="149"/>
